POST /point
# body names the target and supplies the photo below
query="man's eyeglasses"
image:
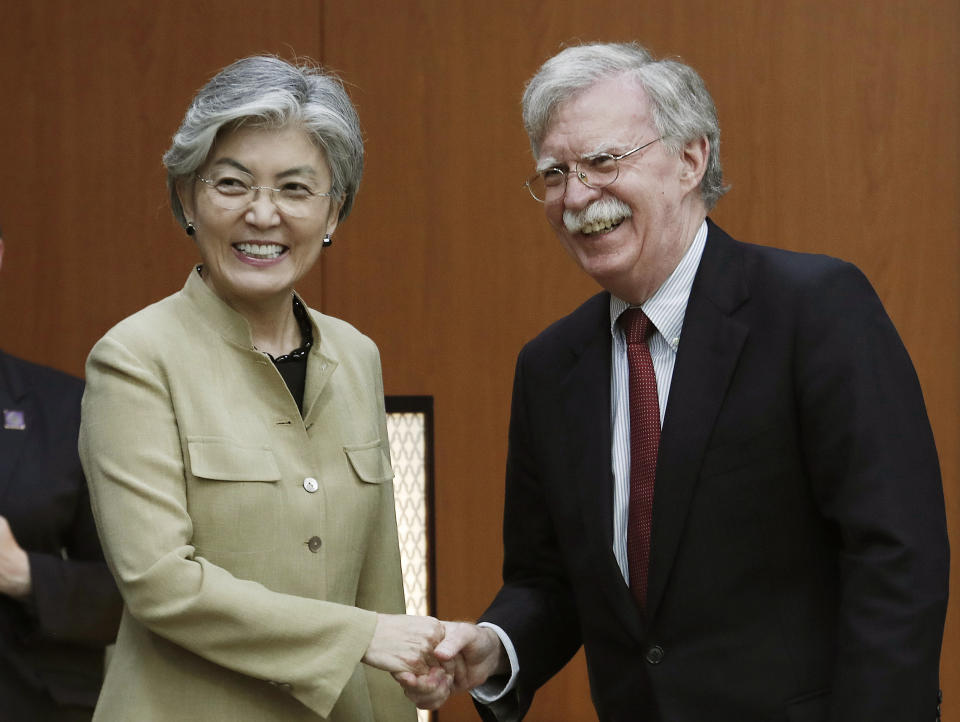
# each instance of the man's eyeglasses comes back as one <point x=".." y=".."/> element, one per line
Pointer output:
<point x="594" y="171"/>
<point x="294" y="199"/>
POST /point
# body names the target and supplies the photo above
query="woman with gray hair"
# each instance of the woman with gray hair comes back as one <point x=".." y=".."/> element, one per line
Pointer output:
<point x="235" y="440"/>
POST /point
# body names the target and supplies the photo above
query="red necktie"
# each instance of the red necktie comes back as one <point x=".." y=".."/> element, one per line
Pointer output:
<point x="644" y="441"/>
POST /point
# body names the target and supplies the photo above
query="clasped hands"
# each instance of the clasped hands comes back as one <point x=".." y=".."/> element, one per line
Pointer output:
<point x="432" y="659"/>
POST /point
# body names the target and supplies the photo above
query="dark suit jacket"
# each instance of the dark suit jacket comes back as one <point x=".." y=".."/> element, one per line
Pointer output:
<point x="799" y="555"/>
<point x="51" y="645"/>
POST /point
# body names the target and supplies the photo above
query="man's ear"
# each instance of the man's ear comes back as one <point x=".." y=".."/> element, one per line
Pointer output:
<point x="693" y="157"/>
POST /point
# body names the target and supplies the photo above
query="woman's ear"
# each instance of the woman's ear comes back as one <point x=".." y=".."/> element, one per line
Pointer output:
<point x="184" y="188"/>
<point x="333" y="216"/>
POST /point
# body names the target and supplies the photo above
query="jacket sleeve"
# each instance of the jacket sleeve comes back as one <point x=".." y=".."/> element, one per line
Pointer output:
<point x="131" y="453"/>
<point x="873" y="464"/>
<point x="535" y="606"/>
<point x="381" y="585"/>
<point x="74" y="598"/>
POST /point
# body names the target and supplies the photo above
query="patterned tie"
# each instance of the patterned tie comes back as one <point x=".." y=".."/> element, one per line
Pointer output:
<point x="644" y="441"/>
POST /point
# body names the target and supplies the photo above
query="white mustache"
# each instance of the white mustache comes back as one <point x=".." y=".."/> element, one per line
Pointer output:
<point x="600" y="210"/>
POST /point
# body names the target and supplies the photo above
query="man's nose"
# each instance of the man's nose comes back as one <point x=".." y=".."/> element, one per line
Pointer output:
<point x="578" y="194"/>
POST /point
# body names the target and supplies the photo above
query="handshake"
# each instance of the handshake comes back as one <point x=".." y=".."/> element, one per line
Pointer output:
<point x="432" y="659"/>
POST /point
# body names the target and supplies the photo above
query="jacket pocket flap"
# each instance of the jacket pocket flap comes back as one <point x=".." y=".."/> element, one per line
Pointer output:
<point x="225" y="460"/>
<point x="369" y="462"/>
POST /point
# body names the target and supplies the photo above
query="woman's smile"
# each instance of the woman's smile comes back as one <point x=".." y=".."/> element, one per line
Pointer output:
<point x="258" y="252"/>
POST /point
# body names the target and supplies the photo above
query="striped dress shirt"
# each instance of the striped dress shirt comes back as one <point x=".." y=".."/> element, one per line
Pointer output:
<point x="665" y="309"/>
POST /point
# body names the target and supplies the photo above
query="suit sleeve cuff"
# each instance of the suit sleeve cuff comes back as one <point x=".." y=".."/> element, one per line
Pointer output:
<point x="494" y="689"/>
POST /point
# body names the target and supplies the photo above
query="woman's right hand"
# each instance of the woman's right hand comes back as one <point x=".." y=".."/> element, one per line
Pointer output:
<point x="404" y="643"/>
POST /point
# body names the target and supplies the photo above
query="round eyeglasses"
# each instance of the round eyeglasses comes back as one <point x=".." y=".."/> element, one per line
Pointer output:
<point x="594" y="171"/>
<point x="294" y="199"/>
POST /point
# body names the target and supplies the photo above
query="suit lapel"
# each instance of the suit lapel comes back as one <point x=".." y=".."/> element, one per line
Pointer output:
<point x="586" y="448"/>
<point x="13" y="396"/>
<point x="710" y="346"/>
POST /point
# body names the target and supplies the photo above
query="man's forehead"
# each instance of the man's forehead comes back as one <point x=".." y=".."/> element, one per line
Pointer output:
<point x="604" y="94"/>
<point x="609" y="115"/>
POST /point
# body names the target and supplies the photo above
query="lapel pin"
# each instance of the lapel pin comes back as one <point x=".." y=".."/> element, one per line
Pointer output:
<point x="13" y="419"/>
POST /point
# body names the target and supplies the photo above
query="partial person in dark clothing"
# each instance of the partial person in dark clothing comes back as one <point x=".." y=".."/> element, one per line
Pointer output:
<point x="59" y="606"/>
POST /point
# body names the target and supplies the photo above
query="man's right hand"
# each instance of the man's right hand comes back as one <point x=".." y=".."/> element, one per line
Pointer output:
<point x="468" y="655"/>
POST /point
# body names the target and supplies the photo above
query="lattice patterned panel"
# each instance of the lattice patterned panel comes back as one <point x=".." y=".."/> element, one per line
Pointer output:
<point x="408" y="445"/>
<point x="408" y="454"/>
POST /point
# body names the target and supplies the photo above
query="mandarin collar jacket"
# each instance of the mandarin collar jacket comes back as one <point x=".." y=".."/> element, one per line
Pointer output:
<point x="252" y="544"/>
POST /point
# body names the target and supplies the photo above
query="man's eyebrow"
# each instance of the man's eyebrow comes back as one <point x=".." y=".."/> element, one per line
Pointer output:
<point x="607" y="147"/>
<point x="547" y="163"/>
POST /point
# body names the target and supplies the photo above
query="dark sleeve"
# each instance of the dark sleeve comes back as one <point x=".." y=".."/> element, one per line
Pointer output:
<point x="535" y="606"/>
<point x="74" y="597"/>
<point x="873" y="464"/>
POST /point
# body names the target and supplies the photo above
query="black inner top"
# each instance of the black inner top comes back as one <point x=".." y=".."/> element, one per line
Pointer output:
<point x="293" y="366"/>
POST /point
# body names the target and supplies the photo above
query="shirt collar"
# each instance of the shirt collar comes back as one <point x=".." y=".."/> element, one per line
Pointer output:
<point x="666" y="307"/>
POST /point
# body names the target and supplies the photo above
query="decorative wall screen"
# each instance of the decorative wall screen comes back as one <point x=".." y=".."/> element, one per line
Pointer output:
<point x="410" y="428"/>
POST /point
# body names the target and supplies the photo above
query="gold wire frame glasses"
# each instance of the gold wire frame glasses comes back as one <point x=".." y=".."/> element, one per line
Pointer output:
<point x="594" y="171"/>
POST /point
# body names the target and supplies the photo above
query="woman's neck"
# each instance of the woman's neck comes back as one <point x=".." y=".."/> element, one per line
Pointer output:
<point x="274" y="331"/>
<point x="273" y="326"/>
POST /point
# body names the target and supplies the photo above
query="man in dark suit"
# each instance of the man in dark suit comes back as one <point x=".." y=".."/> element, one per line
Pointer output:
<point x="721" y="480"/>
<point x="59" y="606"/>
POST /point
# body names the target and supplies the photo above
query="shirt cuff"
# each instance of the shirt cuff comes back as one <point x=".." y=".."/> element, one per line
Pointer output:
<point x="494" y="689"/>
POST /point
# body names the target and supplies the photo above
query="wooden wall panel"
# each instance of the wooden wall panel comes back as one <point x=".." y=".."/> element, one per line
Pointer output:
<point x="92" y="94"/>
<point x="840" y="136"/>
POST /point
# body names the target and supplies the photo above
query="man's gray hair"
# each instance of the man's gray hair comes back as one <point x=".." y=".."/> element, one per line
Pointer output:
<point x="265" y="91"/>
<point x="682" y="108"/>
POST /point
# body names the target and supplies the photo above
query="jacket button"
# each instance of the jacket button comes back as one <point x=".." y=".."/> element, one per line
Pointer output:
<point x="655" y="654"/>
<point x="314" y="543"/>
<point x="310" y="484"/>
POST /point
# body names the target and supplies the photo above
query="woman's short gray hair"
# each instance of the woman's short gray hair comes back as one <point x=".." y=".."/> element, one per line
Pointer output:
<point x="265" y="90"/>
<point x="682" y="108"/>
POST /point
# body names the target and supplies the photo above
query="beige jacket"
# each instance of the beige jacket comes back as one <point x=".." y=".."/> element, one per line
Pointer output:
<point x="246" y="591"/>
